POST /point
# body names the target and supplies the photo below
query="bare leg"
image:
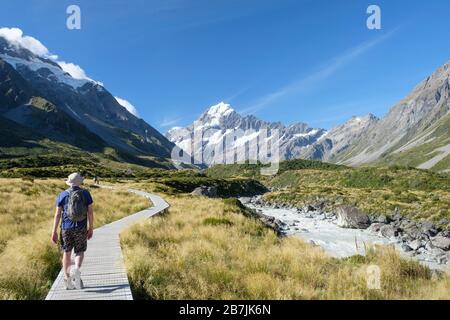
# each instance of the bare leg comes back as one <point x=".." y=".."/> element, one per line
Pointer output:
<point x="79" y="260"/>
<point x="67" y="262"/>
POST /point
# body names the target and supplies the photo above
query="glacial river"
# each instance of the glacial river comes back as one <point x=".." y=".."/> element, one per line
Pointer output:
<point x="339" y="242"/>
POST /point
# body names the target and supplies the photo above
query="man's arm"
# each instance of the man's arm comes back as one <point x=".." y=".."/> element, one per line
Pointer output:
<point x="56" y="224"/>
<point x="90" y="221"/>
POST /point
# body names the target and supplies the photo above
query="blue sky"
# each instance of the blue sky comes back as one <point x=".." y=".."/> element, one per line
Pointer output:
<point x="283" y="60"/>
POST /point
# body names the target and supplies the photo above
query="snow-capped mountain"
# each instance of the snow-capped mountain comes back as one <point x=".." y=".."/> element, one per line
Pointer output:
<point x="415" y="132"/>
<point x="35" y="90"/>
<point x="221" y="124"/>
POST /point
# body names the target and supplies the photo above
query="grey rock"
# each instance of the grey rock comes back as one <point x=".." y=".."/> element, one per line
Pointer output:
<point x="389" y="231"/>
<point x="397" y="216"/>
<point x="406" y="224"/>
<point x="205" y="191"/>
<point x="351" y="217"/>
<point x="412" y="231"/>
<point x="442" y="259"/>
<point x="406" y="247"/>
<point x="375" y="227"/>
<point x="381" y="219"/>
<point x="245" y="200"/>
<point x="416" y="244"/>
<point x="441" y="242"/>
<point x="429" y="246"/>
<point x="445" y="233"/>
<point x="428" y="228"/>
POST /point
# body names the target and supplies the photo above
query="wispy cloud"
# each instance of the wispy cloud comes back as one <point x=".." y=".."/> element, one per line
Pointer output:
<point x="235" y="95"/>
<point x="323" y="73"/>
<point x="170" y="122"/>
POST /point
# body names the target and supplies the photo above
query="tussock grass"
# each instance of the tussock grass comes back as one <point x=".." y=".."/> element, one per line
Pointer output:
<point x="29" y="262"/>
<point x="419" y="194"/>
<point x="179" y="256"/>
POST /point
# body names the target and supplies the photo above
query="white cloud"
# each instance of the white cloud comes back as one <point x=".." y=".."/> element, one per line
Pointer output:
<point x="127" y="105"/>
<point x="15" y="37"/>
<point x="76" y="71"/>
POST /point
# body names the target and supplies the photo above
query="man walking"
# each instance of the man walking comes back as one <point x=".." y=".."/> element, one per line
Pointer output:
<point x="74" y="209"/>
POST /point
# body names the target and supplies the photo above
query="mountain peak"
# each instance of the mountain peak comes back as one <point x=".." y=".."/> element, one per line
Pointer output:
<point x="221" y="122"/>
<point x="221" y="109"/>
<point x="217" y="114"/>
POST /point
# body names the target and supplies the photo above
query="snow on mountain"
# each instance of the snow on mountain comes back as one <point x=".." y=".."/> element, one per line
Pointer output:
<point x="53" y="72"/>
<point x="24" y="51"/>
<point x="28" y="70"/>
<point x="221" y="126"/>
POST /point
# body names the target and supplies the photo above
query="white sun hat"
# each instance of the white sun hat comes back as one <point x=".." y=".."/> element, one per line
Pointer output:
<point x="75" y="180"/>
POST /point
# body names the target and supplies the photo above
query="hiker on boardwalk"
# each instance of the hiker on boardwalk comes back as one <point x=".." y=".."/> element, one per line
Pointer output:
<point x="74" y="209"/>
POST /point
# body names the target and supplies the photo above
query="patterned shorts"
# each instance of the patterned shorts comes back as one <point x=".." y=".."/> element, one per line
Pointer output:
<point x="75" y="239"/>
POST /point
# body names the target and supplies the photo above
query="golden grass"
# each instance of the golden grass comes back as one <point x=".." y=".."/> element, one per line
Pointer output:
<point x="202" y="249"/>
<point x="29" y="262"/>
<point x="206" y="249"/>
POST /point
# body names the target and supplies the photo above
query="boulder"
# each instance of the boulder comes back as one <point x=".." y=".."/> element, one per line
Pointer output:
<point x="381" y="219"/>
<point x="407" y="224"/>
<point x="389" y="231"/>
<point x="406" y="248"/>
<point x="441" y="242"/>
<point x="320" y="205"/>
<point x="445" y="233"/>
<point x="375" y="227"/>
<point x="415" y="244"/>
<point x="428" y="228"/>
<point x="205" y="191"/>
<point x="246" y="200"/>
<point x="412" y="231"/>
<point x="397" y="216"/>
<point x="351" y="217"/>
<point x="442" y="259"/>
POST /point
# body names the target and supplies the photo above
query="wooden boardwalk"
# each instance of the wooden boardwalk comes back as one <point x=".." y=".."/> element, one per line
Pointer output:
<point x="103" y="270"/>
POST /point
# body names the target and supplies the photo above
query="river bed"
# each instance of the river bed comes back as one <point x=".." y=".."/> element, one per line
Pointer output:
<point x="321" y="229"/>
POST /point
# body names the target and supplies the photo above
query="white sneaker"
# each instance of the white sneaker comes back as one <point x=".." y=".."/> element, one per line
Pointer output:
<point x="68" y="284"/>
<point x="75" y="274"/>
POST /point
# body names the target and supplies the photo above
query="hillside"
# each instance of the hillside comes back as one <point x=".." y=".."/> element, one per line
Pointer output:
<point x="420" y="194"/>
<point x="414" y="132"/>
<point x="52" y="113"/>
